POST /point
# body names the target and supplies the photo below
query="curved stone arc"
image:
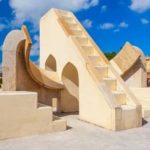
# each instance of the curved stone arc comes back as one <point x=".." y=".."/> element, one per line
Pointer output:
<point x="72" y="85"/>
<point x="126" y="58"/>
<point x="39" y="75"/>
<point x="10" y="42"/>
<point x="142" y="57"/>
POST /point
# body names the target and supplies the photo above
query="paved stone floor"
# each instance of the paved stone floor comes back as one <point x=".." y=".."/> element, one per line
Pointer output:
<point x="83" y="136"/>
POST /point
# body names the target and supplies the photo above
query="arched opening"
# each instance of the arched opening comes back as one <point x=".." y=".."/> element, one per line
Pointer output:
<point x="51" y="64"/>
<point x="70" y="95"/>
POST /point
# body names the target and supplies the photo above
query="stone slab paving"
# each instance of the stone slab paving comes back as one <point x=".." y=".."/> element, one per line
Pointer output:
<point x="83" y="136"/>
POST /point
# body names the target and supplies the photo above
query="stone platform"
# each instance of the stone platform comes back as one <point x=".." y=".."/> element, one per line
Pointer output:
<point x="21" y="115"/>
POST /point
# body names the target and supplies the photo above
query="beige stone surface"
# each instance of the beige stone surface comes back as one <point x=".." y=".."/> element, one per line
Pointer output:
<point x="21" y="115"/>
<point x="148" y="67"/>
<point x="20" y="74"/>
<point x="136" y="74"/>
<point x="17" y="76"/>
<point x="74" y="74"/>
<point x="130" y="64"/>
<point x="143" y="94"/>
<point x="64" y="39"/>
<point x="126" y="58"/>
<point x="148" y="64"/>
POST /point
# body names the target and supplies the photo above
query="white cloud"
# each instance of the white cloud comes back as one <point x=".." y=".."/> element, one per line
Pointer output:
<point x="144" y="21"/>
<point x="87" y="23"/>
<point x="2" y="26"/>
<point x="140" y="5"/>
<point x="32" y="10"/>
<point x="34" y="52"/>
<point x="1" y="46"/>
<point x="36" y="38"/>
<point x="86" y="3"/>
<point x="122" y="2"/>
<point x="36" y="62"/>
<point x="104" y="8"/>
<point x="4" y="23"/>
<point x="35" y="46"/>
<point x="107" y="26"/>
<point x="123" y="25"/>
<point x="116" y="30"/>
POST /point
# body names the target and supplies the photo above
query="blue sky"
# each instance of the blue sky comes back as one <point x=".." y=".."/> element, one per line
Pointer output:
<point x="110" y="22"/>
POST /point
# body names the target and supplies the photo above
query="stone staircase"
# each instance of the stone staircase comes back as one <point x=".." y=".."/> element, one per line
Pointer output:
<point x="94" y="57"/>
<point x="99" y="65"/>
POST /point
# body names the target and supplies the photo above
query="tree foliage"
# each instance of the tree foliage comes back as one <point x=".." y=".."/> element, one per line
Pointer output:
<point x="110" y="55"/>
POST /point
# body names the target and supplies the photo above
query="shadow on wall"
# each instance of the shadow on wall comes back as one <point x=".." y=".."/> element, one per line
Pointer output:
<point x="70" y="96"/>
<point x="69" y="102"/>
<point x="50" y="64"/>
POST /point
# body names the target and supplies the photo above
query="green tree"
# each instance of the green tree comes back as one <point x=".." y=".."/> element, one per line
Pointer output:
<point x="110" y="55"/>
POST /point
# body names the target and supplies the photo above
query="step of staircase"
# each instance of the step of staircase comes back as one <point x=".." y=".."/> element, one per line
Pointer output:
<point x="73" y="25"/>
<point x="82" y="40"/>
<point x="68" y="19"/>
<point x="128" y="107"/>
<point x="120" y="97"/>
<point x="94" y="59"/>
<point x="89" y="50"/>
<point x="102" y="72"/>
<point x="42" y="105"/>
<point x="45" y="110"/>
<point x="77" y="32"/>
<point x="111" y="83"/>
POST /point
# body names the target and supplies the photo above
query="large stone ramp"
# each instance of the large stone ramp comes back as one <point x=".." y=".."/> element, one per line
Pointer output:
<point x="104" y="99"/>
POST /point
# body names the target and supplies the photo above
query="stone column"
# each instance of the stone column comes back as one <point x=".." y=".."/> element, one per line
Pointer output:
<point x="9" y="60"/>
